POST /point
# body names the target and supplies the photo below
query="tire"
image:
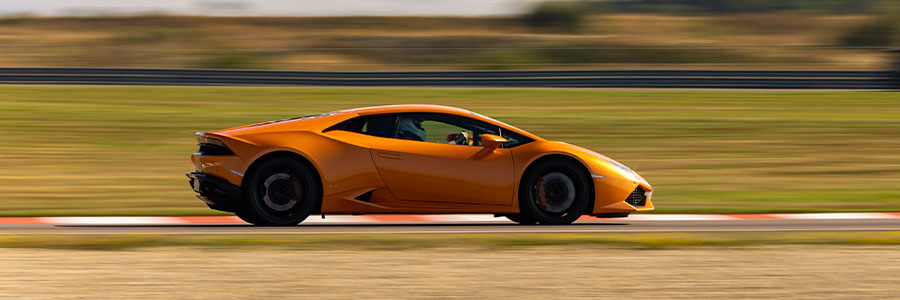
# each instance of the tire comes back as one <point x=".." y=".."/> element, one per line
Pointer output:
<point x="245" y="216"/>
<point x="521" y="219"/>
<point x="555" y="192"/>
<point x="280" y="192"/>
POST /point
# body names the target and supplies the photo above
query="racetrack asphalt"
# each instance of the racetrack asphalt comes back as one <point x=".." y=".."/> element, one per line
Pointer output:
<point x="586" y="226"/>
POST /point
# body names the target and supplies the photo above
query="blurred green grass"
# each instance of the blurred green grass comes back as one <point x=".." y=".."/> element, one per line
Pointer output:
<point x="124" y="150"/>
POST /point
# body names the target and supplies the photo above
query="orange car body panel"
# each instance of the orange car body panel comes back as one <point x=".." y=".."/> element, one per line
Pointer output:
<point x="411" y="176"/>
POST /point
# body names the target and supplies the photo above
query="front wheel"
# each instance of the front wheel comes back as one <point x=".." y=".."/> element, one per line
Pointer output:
<point x="554" y="192"/>
<point x="280" y="192"/>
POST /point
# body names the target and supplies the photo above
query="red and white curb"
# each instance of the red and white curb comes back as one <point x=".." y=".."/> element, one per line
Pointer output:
<point x="341" y="219"/>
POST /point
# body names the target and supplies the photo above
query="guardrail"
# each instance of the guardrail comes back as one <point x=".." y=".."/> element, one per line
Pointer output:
<point x="747" y="79"/>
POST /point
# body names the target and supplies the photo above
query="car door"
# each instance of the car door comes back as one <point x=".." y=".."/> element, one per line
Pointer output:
<point x="430" y="161"/>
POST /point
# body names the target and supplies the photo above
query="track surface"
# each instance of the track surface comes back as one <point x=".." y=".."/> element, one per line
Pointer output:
<point x="608" y="226"/>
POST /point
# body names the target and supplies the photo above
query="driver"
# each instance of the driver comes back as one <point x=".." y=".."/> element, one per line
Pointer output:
<point x="461" y="138"/>
<point x="410" y="129"/>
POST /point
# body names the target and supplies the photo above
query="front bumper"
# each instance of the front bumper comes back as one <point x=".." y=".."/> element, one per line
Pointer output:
<point x="617" y="196"/>
<point x="217" y="193"/>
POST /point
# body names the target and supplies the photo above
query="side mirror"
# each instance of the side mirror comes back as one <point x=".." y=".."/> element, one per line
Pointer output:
<point x="492" y="141"/>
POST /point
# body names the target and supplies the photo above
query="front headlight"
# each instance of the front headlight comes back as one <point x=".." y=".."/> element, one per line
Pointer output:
<point x="625" y="170"/>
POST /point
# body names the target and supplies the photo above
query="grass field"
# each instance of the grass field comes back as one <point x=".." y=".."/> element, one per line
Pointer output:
<point x="478" y="241"/>
<point x="124" y="150"/>
<point x="557" y="272"/>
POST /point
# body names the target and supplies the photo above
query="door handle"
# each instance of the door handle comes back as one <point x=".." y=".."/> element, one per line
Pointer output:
<point x="388" y="155"/>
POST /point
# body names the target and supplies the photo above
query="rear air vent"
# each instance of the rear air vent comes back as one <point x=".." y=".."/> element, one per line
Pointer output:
<point x="637" y="198"/>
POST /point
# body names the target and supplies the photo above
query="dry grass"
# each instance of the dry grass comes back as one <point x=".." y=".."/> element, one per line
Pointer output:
<point x="782" y="272"/>
<point x="485" y="241"/>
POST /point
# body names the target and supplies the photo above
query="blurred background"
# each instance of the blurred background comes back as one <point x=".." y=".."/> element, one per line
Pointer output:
<point x="122" y="150"/>
<point x="462" y="34"/>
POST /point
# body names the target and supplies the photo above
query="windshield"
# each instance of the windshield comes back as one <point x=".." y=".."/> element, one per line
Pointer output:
<point x="498" y="121"/>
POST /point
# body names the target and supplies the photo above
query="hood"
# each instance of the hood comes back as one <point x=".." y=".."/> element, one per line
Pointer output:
<point x="601" y="163"/>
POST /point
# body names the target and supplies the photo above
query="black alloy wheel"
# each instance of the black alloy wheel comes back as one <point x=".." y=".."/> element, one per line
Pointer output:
<point x="554" y="192"/>
<point x="280" y="192"/>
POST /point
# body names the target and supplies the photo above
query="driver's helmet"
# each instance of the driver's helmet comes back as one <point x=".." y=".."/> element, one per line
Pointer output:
<point x="410" y="128"/>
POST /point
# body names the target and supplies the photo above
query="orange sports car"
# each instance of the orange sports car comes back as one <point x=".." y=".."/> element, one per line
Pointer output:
<point x="407" y="159"/>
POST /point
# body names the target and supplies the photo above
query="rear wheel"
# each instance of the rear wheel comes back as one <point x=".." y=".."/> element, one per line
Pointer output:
<point x="245" y="216"/>
<point x="554" y="192"/>
<point x="280" y="192"/>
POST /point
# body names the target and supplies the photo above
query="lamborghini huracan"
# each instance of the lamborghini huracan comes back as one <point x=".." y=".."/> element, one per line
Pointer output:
<point x="407" y="159"/>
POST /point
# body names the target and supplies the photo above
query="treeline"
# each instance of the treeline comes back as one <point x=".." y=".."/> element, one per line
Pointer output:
<point x="742" y="6"/>
<point x="881" y="31"/>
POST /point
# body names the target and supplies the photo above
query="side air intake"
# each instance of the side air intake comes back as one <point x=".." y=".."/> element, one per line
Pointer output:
<point x="637" y="198"/>
<point x="365" y="197"/>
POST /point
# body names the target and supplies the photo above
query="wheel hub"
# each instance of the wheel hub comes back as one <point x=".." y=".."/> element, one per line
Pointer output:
<point x="555" y="192"/>
<point x="282" y="191"/>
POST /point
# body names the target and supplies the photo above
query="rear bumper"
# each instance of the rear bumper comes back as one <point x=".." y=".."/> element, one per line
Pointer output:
<point x="217" y="193"/>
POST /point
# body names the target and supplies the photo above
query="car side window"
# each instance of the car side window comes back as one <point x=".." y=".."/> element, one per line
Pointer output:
<point x="375" y="125"/>
<point x="450" y="129"/>
<point x="432" y="129"/>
